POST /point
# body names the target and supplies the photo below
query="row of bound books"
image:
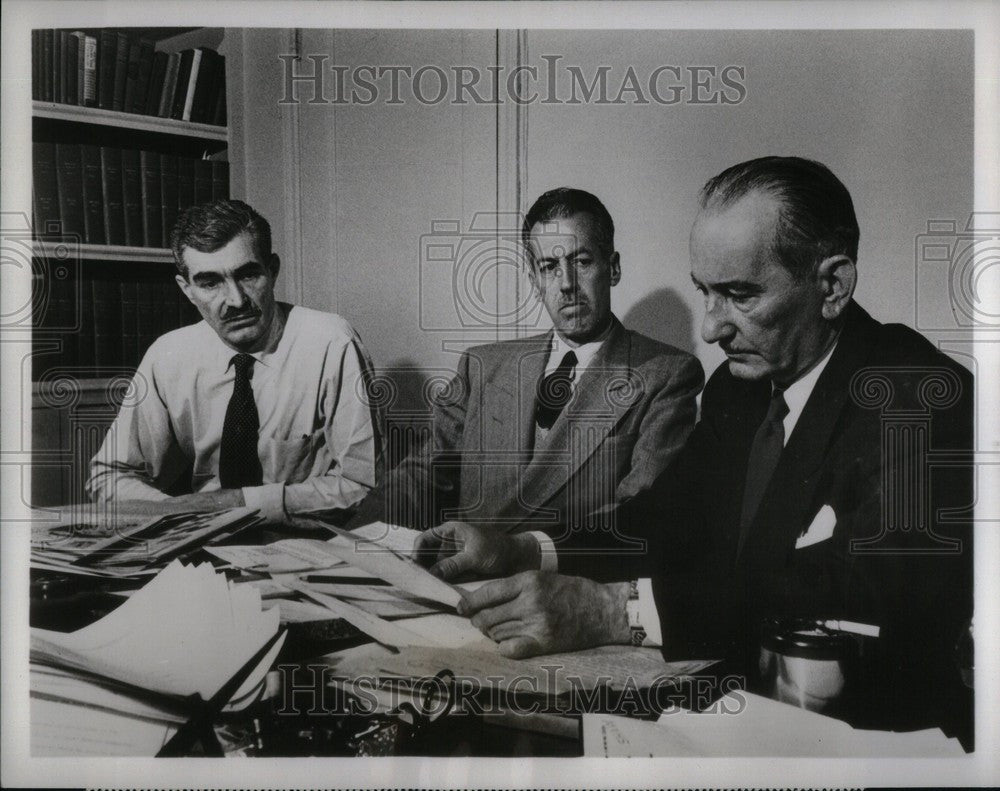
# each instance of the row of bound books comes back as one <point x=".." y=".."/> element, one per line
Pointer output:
<point x="105" y="195"/>
<point x="118" y="70"/>
<point x="103" y="316"/>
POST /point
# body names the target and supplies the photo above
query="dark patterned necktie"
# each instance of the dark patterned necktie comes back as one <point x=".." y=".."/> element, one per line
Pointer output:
<point x="764" y="454"/>
<point x="554" y="391"/>
<point x="239" y="464"/>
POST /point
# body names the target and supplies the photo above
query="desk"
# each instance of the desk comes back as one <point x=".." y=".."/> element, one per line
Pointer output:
<point x="275" y="728"/>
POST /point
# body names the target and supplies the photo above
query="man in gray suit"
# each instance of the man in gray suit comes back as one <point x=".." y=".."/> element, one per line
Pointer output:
<point x="553" y="430"/>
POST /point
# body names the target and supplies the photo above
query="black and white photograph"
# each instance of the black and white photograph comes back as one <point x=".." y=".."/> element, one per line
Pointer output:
<point x="500" y="394"/>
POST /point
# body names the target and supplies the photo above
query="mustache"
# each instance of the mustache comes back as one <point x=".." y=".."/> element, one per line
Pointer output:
<point x="247" y="313"/>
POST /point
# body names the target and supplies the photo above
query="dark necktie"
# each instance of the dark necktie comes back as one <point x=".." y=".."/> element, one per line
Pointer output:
<point x="554" y="391"/>
<point x="239" y="464"/>
<point x="764" y="454"/>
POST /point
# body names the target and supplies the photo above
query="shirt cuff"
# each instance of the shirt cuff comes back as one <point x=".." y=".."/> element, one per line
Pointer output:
<point x="648" y="617"/>
<point x="547" y="550"/>
<point x="269" y="499"/>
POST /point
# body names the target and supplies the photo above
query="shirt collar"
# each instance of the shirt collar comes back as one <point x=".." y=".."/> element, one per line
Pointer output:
<point x="225" y="354"/>
<point x="798" y="392"/>
<point x="584" y="352"/>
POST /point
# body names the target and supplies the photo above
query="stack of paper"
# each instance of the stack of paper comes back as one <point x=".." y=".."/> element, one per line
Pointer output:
<point x="186" y="632"/>
<point x="74" y="714"/>
<point x="123" y="547"/>
<point x="743" y="724"/>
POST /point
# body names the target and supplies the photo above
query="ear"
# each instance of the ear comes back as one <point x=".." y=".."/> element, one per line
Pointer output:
<point x="616" y="268"/>
<point x="837" y="276"/>
<point x="273" y="265"/>
<point x="533" y="277"/>
<point x="184" y="286"/>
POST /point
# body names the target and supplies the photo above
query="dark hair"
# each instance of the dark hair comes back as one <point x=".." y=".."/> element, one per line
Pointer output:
<point x="564" y="202"/>
<point x="208" y="227"/>
<point x="816" y="218"/>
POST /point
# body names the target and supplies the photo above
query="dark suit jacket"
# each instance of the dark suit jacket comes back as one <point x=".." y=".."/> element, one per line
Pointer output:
<point x="896" y="558"/>
<point x="632" y="409"/>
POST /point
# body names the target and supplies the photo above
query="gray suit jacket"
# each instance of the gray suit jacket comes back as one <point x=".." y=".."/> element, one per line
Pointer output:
<point x="631" y="411"/>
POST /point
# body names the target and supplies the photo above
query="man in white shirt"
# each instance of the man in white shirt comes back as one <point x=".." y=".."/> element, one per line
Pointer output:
<point x="797" y="494"/>
<point x="556" y="429"/>
<point x="261" y="404"/>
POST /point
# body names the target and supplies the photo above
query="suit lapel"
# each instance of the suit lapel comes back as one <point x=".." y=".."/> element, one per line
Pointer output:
<point x="781" y="515"/>
<point x="603" y="395"/>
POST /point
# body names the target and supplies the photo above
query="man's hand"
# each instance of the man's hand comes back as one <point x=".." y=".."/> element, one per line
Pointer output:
<point x="540" y="612"/>
<point x="456" y="549"/>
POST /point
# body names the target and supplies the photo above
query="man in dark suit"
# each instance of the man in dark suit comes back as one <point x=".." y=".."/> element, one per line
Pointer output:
<point x="537" y="433"/>
<point x="827" y="478"/>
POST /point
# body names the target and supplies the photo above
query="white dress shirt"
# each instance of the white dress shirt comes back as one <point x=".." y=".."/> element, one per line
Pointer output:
<point x="317" y="444"/>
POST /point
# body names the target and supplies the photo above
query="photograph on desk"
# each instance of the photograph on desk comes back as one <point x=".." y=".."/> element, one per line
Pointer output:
<point x="502" y="387"/>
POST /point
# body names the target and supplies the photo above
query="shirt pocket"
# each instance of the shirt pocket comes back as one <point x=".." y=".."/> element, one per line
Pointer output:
<point x="294" y="460"/>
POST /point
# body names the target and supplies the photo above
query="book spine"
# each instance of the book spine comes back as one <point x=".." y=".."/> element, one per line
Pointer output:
<point x="36" y="65"/>
<point x="78" y="81"/>
<point x="132" y="74"/>
<point x="106" y="56"/>
<point x="69" y="180"/>
<point x="61" y="303"/>
<point x="132" y="197"/>
<point x="93" y="195"/>
<point x="220" y="179"/>
<point x="45" y="189"/>
<point x="88" y="83"/>
<point x="48" y="59"/>
<point x="202" y="181"/>
<point x="109" y="311"/>
<point x="183" y="78"/>
<point x="147" y="312"/>
<point x="168" y="195"/>
<point x="204" y="91"/>
<point x="196" y="61"/>
<point x="219" y="113"/>
<point x="59" y="64"/>
<point x="185" y="183"/>
<point x="111" y="184"/>
<point x="156" y="78"/>
<point x="142" y="76"/>
<point x="128" y="288"/>
<point x="152" y="209"/>
<point x="122" y="49"/>
<point x="71" y="67"/>
<point x="86" y="347"/>
<point x="169" y="85"/>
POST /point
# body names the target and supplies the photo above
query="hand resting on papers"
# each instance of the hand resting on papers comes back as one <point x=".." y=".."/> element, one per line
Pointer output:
<point x="540" y="612"/>
<point x="458" y="550"/>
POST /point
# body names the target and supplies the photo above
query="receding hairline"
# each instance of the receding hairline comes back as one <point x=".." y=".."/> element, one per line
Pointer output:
<point x="597" y="232"/>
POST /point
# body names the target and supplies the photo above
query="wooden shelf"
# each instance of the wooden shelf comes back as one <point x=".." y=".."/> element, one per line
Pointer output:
<point x="97" y="384"/>
<point x="145" y="123"/>
<point x="104" y="252"/>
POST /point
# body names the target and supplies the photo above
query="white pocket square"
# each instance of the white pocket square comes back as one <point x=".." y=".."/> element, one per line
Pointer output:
<point x="820" y="529"/>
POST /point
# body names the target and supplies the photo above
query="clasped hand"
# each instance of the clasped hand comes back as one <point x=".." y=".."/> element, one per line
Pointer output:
<point x="454" y="550"/>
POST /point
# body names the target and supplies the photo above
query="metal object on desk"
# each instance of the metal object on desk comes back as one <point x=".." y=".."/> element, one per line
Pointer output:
<point x="807" y="663"/>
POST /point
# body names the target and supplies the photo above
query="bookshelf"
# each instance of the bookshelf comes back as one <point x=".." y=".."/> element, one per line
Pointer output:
<point x="111" y="173"/>
<point x="120" y="120"/>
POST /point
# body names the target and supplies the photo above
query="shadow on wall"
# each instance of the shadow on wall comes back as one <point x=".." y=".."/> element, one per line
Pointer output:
<point x="402" y="390"/>
<point x="663" y="316"/>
